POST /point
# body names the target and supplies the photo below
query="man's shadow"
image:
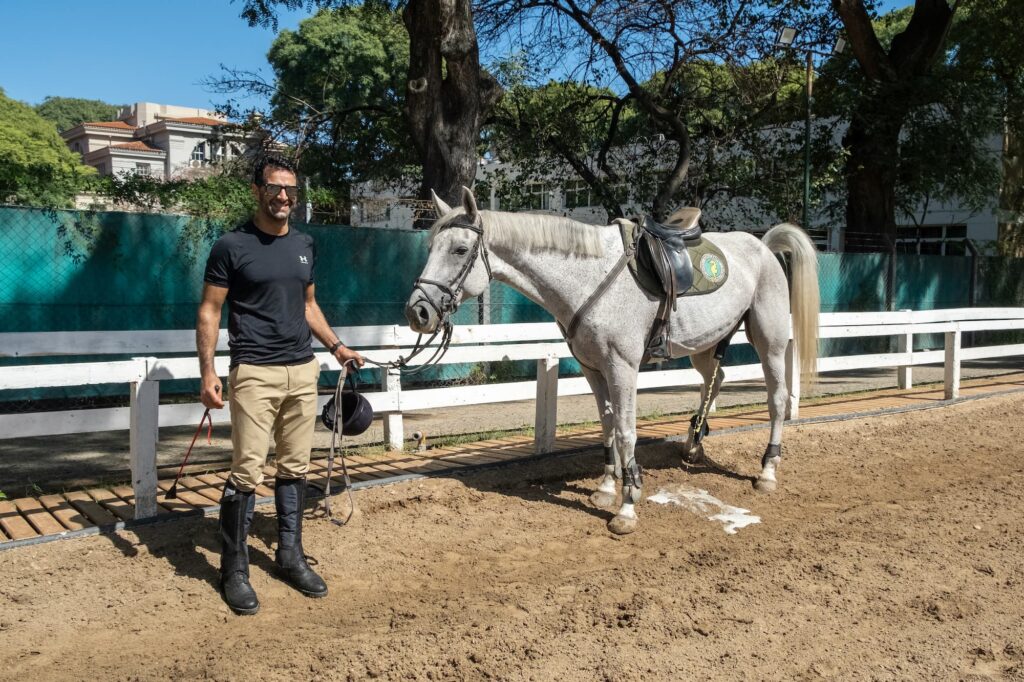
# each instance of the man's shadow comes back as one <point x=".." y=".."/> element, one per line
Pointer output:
<point x="179" y="539"/>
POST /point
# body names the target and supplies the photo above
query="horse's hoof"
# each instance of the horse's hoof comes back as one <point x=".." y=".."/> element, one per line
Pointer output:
<point x="602" y="500"/>
<point x="623" y="525"/>
<point x="766" y="485"/>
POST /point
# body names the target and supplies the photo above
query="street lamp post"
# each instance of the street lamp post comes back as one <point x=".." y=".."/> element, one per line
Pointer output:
<point x="785" y="38"/>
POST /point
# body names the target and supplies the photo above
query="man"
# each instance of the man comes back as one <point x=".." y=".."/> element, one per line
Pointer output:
<point x="264" y="270"/>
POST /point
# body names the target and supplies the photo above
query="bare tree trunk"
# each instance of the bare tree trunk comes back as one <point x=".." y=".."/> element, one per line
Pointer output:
<point x="871" y="171"/>
<point x="891" y="78"/>
<point x="1011" y="194"/>
<point x="448" y="96"/>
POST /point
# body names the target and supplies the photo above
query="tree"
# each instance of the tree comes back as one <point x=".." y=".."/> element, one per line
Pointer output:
<point x="67" y="112"/>
<point x="337" y="96"/>
<point x="36" y="167"/>
<point x="942" y="153"/>
<point x="569" y="129"/>
<point x="895" y="83"/>
<point x="560" y="129"/>
<point x="986" y="48"/>
<point x="686" y="68"/>
<point x="447" y="94"/>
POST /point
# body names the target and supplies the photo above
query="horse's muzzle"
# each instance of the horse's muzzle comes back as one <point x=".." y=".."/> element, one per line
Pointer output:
<point x="421" y="316"/>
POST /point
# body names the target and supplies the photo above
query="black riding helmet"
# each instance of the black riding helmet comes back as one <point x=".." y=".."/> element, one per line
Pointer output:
<point x="356" y="413"/>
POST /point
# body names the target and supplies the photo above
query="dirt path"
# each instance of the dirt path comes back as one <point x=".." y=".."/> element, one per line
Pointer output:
<point x="894" y="549"/>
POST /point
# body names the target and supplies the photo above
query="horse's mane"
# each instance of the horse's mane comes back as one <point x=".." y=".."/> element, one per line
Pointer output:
<point x="534" y="232"/>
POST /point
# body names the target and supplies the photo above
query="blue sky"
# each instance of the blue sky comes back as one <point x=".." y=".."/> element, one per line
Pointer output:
<point x="124" y="52"/>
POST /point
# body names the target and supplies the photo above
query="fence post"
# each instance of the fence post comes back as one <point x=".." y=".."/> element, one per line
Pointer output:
<point x="890" y="293"/>
<point x="793" y="380"/>
<point x="972" y="290"/>
<point x="393" y="435"/>
<point x="547" y="405"/>
<point x="952" y="365"/>
<point x="905" y="373"/>
<point x="144" y="422"/>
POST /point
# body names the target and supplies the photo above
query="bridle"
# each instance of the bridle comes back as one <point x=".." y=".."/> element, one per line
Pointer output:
<point x="449" y="303"/>
<point x="451" y="292"/>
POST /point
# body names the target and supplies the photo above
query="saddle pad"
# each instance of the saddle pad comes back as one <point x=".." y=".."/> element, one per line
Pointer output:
<point x="710" y="269"/>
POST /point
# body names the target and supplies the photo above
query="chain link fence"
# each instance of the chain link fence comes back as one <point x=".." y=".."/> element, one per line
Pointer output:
<point x="92" y="271"/>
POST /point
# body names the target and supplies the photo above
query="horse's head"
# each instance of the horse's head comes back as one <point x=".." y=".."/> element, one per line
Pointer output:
<point x="456" y="268"/>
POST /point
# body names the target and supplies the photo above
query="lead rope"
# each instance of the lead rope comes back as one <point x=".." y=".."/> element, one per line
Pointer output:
<point x="336" y="439"/>
<point x="702" y="416"/>
<point x="700" y="419"/>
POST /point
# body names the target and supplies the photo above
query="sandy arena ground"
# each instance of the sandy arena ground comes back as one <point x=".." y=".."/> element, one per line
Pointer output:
<point x="893" y="550"/>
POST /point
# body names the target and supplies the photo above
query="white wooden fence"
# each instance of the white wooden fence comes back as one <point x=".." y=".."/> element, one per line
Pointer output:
<point x="540" y="342"/>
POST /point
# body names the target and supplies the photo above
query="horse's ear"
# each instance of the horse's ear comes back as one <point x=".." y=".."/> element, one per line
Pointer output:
<point x="469" y="202"/>
<point x="441" y="208"/>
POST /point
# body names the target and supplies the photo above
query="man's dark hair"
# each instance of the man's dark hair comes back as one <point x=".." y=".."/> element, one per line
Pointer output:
<point x="270" y="161"/>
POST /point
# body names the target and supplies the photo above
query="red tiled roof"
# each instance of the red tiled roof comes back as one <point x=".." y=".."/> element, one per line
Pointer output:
<point x="198" y="120"/>
<point x="109" y="124"/>
<point x="137" y="147"/>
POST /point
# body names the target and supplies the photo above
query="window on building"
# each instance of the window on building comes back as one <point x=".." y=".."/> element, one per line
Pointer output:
<point x="539" y="196"/>
<point x="620" y="192"/>
<point x="577" y="195"/>
<point x="199" y="152"/>
<point x="946" y="240"/>
<point x="482" y="192"/>
<point x="143" y="169"/>
<point x="535" y="196"/>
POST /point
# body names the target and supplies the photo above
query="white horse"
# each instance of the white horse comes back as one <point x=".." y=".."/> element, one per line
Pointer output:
<point x="559" y="264"/>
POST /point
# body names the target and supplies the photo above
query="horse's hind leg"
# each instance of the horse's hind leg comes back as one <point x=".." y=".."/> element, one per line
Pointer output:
<point x="607" y="487"/>
<point x="768" y="331"/>
<point x="703" y="362"/>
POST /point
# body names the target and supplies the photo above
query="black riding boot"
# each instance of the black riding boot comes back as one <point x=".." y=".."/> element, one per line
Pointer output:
<point x="236" y="509"/>
<point x="290" y="498"/>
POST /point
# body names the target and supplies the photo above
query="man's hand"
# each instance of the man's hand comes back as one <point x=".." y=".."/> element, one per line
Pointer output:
<point x="344" y="354"/>
<point x="210" y="395"/>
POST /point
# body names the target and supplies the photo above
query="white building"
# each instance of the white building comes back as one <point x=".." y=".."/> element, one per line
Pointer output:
<point x="937" y="228"/>
<point x="157" y="140"/>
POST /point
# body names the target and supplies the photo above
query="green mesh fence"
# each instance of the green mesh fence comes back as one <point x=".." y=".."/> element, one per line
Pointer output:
<point x="79" y="271"/>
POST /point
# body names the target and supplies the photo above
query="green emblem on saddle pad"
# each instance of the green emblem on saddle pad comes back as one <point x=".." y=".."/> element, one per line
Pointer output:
<point x="711" y="266"/>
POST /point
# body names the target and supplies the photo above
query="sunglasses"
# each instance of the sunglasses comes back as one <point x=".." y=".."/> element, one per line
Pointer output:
<point x="273" y="189"/>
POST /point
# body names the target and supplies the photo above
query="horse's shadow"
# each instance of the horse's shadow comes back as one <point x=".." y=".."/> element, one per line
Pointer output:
<point x="564" y="481"/>
<point x="192" y="546"/>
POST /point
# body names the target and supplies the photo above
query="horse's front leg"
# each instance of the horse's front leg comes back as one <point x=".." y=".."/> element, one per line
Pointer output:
<point x="607" y="487"/>
<point x="622" y="390"/>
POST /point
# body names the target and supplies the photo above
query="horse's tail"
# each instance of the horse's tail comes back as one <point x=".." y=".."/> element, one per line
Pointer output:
<point x="805" y="299"/>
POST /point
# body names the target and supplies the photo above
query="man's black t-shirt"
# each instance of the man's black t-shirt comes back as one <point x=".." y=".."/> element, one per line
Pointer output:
<point x="266" y="278"/>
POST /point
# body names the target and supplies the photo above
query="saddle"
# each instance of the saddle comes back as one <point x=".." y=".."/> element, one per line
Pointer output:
<point x="662" y="249"/>
<point x="663" y="265"/>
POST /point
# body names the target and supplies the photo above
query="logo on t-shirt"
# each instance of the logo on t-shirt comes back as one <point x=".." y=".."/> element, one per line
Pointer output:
<point x="302" y="259"/>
